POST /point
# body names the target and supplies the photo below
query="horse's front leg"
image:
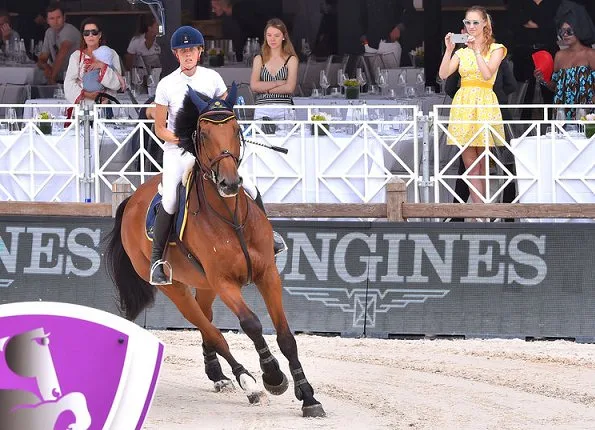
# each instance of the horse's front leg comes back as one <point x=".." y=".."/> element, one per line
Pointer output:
<point x="270" y="289"/>
<point x="181" y="296"/>
<point x="205" y="299"/>
<point x="273" y="378"/>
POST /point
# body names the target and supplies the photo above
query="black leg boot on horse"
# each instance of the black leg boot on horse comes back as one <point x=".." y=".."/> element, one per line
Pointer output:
<point x="161" y="232"/>
<point x="279" y="244"/>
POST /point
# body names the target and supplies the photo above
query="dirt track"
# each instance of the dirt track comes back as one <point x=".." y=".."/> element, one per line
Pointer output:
<point x="394" y="384"/>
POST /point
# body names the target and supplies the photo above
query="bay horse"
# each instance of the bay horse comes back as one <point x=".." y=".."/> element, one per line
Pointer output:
<point x="233" y="240"/>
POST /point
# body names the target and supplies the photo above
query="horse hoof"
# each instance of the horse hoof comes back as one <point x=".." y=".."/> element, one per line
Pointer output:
<point x="254" y="398"/>
<point x="277" y="390"/>
<point x="224" y="385"/>
<point x="313" y="411"/>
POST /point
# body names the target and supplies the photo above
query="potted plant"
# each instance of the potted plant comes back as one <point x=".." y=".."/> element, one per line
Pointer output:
<point x="417" y="56"/>
<point x="216" y="58"/>
<point x="351" y="89"/>
<point x="321" y="116"/>
<point x="45" y="127"/>
<point x="589" y="125"/>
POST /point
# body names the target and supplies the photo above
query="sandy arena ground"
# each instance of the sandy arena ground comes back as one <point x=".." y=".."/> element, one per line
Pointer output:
<point x="388" y="384"/>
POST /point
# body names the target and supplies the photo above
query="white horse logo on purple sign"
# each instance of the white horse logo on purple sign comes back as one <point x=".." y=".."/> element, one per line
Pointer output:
<point x="74" y="368"/>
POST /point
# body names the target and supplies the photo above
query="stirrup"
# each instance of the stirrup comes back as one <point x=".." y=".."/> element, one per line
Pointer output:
<point x="155" y="265"/>
<point x="279" y="243"/>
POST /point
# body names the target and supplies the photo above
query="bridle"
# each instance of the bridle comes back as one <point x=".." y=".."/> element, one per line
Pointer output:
<point x="217" y="113"/>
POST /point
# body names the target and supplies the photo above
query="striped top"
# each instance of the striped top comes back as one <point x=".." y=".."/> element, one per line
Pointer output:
<point x="272" y="98"/>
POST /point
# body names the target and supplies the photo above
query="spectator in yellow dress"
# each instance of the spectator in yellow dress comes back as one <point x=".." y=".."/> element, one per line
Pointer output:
<point x="478" y="65"/>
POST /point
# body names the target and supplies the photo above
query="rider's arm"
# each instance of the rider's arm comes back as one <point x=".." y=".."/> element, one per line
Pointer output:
<point x="161" y="127"/>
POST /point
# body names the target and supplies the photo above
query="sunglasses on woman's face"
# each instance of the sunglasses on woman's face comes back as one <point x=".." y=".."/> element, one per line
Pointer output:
<point x="93" y="32"/>
<point x="469" y="22"/>
<point x="568" y="31"/>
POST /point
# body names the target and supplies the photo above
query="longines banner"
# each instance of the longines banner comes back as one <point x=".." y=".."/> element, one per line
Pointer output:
<point x="381" y="279"/>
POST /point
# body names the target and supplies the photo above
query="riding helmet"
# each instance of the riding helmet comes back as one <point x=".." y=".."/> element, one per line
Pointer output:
<point x="186" y="37"/>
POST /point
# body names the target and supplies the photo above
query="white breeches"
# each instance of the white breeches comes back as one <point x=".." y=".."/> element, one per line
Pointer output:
<point x="175" y="163"/>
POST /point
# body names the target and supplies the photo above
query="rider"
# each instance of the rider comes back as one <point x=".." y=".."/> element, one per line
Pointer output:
<point x="187" y="44"/>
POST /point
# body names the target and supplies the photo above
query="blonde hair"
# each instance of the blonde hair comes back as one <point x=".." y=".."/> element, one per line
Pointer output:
<point x="488" y="33"/>
<point x="286" y="45"/>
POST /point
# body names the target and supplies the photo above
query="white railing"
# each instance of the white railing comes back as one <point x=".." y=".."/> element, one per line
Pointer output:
<point x="549" y="160"/>
<point x="347" y="158"/>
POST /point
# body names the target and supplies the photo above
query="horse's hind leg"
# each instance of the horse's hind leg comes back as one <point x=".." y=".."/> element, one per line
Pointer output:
<point x="182" y="297"/>
<point x="273" y="378"/>
<point x="205" y="299"/>
<point x="270" y="289"/>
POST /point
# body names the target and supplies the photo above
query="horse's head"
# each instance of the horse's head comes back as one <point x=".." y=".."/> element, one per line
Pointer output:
<point x="28" y="354"/>
<point x="208" y="128"/>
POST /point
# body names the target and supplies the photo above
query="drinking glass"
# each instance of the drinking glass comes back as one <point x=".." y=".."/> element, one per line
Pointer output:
<point x="335" y="92"/>
<point x="13" y="124"/>
<point x="315" y="93"/>
<point x="324" y="83"/>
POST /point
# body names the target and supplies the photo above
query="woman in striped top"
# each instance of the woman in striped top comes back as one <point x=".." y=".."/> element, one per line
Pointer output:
<point x="274" y="71"/>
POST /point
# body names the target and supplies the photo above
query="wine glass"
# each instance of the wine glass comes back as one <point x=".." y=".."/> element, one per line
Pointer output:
<point x="324" y="83"/>
<point x="383" y="80"/>
<point x="360" y="78"/>
<point x="341" y="78"/>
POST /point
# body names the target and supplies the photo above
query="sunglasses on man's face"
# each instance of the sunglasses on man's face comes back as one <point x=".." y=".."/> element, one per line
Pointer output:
<point x="93" y="32"/>
<point x="568" y="31"/>
<point x="469" y="22"/>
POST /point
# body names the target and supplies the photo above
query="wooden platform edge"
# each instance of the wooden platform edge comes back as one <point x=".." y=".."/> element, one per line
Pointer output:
<point x="55" y="209"/>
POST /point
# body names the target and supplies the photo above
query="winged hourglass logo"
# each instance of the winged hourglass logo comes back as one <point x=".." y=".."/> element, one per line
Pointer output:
<point x="365" y="303"/>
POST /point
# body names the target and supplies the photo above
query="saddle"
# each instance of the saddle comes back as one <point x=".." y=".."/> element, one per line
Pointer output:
<point x="181" y="215"/>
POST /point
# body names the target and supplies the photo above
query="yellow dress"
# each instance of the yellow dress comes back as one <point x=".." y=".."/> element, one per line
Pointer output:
<point x="477" y="91"/>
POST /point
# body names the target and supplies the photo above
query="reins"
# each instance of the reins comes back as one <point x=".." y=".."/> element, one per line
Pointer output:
<point x="210" y="175"/>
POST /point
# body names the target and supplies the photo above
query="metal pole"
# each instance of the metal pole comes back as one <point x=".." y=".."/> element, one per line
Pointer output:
<point x="87" y="178"/>
<point x="425" y="160"/>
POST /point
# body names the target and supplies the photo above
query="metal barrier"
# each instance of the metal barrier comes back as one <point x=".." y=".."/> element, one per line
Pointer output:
<point x="338" y="153"/>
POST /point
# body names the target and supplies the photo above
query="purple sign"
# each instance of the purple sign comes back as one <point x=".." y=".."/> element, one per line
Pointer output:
<point x="66" y="372"/>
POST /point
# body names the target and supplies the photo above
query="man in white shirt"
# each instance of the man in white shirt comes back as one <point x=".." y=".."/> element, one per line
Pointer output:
<point x="60" y="41"/>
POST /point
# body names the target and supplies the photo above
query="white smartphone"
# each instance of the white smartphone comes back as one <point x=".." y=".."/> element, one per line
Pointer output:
<point x="459" y="38"/>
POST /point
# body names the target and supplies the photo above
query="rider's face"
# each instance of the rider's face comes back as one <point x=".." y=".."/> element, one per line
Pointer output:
<point x="188" y="57"/>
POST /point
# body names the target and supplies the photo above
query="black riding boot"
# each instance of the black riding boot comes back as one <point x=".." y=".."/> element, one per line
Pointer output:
<point x="160" y="236"/>
<point x="279" y="245"/>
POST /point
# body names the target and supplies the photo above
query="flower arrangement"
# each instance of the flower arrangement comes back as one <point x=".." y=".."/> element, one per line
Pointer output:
<point x="351" y="88"/>
<point x="351" y="83"/>
<point x="417" y="56"/>
<point x="590" y="125"/>
<point x="216" y="57"/>
<point x="321" y="116"/>
<point x="45" y="127"/>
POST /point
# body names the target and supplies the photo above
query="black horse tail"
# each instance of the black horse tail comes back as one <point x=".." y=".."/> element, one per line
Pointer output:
<point x="135" y="294"/>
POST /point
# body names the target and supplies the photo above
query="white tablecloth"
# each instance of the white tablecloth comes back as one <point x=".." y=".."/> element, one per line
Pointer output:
<point x="22" y="74"/>
<point x="555" y="169"/>
<point x="425" y="103"/>
<point x="234" y="72"/>
<point x="337" y="170"/>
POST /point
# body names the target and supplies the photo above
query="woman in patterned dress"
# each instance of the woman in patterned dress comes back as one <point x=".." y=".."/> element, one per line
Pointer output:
<point x="274" y="71"/>
<point x="573" y="80"/>
<point x="478" y="65"/>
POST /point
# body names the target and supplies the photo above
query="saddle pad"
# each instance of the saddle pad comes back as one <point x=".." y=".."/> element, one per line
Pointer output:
<point x="181" y="213"/>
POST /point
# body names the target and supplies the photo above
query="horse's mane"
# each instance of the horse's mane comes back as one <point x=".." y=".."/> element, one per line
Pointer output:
<point x="186" y="123"/>
<point x="186" y="120"/>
